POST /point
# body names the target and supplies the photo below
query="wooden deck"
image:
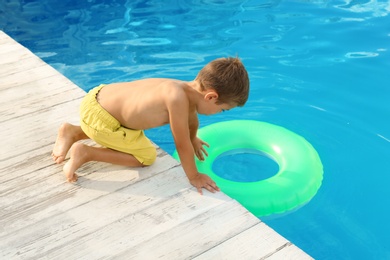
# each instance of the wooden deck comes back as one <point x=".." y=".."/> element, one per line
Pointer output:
<point x="112" y="212"/>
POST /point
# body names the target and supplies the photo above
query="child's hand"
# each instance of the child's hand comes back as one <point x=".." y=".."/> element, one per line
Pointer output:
<point x="199" y="150"/>
<point x="203" y="181"/>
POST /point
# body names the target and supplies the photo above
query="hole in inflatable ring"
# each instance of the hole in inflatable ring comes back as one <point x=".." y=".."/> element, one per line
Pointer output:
<point x="245" y="165"/>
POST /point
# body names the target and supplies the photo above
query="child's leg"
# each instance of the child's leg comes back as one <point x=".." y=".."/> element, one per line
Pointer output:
<point x="81" y="153"/>
<point x="67" y="135"/>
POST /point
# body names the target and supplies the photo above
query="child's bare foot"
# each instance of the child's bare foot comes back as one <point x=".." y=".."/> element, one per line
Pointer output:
<point x="78" y="156"/>
<point x="67" y="135"/>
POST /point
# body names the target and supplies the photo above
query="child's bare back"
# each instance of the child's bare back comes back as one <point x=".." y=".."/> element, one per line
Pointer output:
<point x="142" y="104"/>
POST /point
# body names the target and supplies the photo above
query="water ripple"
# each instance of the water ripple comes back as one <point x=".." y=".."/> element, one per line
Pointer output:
<point x="141" y="42"/>
<point x="361" y="54"/>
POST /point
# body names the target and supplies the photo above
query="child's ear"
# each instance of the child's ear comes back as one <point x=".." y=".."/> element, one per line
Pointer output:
<point x="211" y="95"/>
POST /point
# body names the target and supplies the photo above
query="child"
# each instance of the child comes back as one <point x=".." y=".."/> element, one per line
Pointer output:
<point x="115" y="116"/>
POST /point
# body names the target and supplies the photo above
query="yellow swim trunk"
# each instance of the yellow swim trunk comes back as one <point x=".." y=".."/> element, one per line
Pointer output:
<point x="104" y="129"/>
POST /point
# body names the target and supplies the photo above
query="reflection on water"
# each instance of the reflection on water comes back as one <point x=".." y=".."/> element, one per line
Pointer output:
<point x="318" y="68"/>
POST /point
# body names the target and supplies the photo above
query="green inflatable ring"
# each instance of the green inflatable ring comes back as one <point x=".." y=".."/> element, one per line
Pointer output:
<point x="300" y="169"/>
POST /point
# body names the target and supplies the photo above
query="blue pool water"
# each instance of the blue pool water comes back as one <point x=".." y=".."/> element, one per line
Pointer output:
<point x="319" y="68"/>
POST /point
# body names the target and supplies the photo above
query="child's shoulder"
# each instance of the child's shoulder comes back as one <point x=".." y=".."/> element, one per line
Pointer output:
<point x="160" y="83"/>
<point x="172" y="85"/>
<point x="150" y="84"/>
<point x="174" y="91"/>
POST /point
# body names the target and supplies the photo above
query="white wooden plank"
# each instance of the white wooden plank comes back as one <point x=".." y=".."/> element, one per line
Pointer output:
<point x="24" y="64"/>
<point x="199" y="234"/>
<point x="8" y="49"/>
<point x="11" y="53"/>
<point x="23" y="77"/>
<point x="127" y="232"/>
<point x="289" y="252"/>
<point x="36" y="95"/>
<point x="254" y="243"/>
<point x="54" y="231"/>
<point x="37" y="129"/>
<point x="31" y="201"/>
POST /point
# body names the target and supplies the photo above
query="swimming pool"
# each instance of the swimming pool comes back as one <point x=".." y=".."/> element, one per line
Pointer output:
<point x="318" y="68"/>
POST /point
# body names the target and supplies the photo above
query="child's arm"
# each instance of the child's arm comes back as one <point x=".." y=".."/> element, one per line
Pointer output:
<point x="178" y="109"/>
<point x="197" y="143"/>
